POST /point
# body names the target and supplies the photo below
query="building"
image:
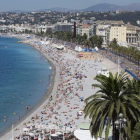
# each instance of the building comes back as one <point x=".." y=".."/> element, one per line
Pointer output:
<point x="44" y="28"/>
<point x="101" y="30"/>
<point x="63" y="26"/>
<point x="88" y="21"/>
<point x="131" y="34"/>
<point x="118" y="32"/>
<point x="87" y="29"/>
<point x="109" y="30"/>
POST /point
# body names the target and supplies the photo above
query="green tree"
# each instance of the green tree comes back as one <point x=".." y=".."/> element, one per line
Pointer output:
<point x="113" y="97"/>
<point x="87" y="43"/>
<point x="136" y="132"/>
<point x="114" y="41"/>
<point x="97" y="40"/>
<point x="85" y="36"/>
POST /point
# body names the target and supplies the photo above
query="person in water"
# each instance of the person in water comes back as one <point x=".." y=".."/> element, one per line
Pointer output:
<point x="27" y="107"/>
<point x="18" y="118"/>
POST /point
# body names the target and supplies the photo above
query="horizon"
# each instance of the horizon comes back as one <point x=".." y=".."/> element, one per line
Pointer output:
<point x="31" y="5"/>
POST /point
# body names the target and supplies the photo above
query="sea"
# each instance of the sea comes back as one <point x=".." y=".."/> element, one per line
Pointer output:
<point x="24" y="80"/>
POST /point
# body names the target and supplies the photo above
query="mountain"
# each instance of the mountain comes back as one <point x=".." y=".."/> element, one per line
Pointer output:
<point x="103" y="7"/>
<point x="58" y="9"/>
<point x="17" y="11"/>
<point x="131" y="7"/>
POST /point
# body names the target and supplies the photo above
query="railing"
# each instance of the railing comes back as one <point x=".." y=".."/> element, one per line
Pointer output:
<point x="132" y="74"/>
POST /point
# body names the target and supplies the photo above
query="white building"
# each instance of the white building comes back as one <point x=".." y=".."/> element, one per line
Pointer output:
<point x="63" y="26"/>
<point x="87" y="29"/>
<point x="101" y="30"/>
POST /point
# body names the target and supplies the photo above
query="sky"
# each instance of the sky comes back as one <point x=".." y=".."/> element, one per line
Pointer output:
<point x="32" y="5"/>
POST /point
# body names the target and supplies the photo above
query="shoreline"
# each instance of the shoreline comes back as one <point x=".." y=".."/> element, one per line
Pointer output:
<point x="47" y="93"/>
<point x="70" y="102"/>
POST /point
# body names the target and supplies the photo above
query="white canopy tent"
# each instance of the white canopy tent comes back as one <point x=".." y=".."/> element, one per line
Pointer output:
<point x="60" y="47"/>
<point x="84" y="135"/>
<point x="76" y="48"/>
<point x="45" y="42"/>
<point x="80" y="49"/>
<point x="96" y="48"/>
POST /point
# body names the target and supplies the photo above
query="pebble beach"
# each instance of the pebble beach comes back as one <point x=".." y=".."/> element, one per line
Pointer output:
<point x="62" y="108"/>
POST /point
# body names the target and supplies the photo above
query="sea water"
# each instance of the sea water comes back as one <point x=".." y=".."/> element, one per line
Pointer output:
<point x="24" y="79"/>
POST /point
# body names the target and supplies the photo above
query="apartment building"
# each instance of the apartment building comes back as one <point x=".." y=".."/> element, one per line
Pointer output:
<point x="118" y="32"/>
<point x="101" y="30"/>
<point x="63" y="26"/>
<point x="109" y="30"/>
<point x="87" y="29"/>
<point x="44" y="28"/>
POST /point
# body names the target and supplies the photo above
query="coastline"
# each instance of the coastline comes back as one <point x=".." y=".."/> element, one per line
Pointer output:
<point x="47" y="93"/>
<point x="87" y="67"/>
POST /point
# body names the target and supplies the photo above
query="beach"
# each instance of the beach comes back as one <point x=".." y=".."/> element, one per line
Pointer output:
<point x="70" y="86"/>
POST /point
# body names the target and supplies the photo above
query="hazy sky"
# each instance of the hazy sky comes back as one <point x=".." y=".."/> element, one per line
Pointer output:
<point x="30" y="5"/>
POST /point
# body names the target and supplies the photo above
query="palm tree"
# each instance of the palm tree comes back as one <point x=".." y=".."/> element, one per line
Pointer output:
<point x="114" y="96"/>
<point x="114" y="41"/>
<point x="134" y="85"/>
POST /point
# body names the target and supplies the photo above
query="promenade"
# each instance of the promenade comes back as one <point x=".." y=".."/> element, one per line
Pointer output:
<point x="124" y="63"/>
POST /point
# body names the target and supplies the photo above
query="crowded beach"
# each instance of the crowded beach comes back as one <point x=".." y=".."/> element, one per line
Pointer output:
<point x="62" y="112"/>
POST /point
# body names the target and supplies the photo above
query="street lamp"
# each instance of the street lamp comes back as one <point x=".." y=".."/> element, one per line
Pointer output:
<point x="120" y="123"/>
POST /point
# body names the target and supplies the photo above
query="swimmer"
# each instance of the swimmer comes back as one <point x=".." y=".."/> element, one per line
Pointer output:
<point x="22" y="103"/>
<point x="18" y="118"/>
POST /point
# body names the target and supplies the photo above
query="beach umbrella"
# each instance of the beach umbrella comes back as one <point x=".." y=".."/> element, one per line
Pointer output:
<point x="25" y="129"/>
<point x="45" y="122"/>
<point x="81" y="97"/>
<point x="76" y="77"/>
<point x="59" y="133"/>
<point x="80" y="112"/>
<point x="32" y="134"/>
<point x="54" y="135"/>
<point x="52" y="126"/>
<point x="68" y="129"/>
<point x="60" y="125"/>
<point x="39" y="138"/>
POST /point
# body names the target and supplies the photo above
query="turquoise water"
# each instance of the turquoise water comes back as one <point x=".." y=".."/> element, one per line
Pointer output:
<point x="24" y="77"/>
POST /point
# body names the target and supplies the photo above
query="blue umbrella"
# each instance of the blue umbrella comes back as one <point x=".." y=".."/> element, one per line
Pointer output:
<point x="45" y="122"/>
<point x="76" y="77"/>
